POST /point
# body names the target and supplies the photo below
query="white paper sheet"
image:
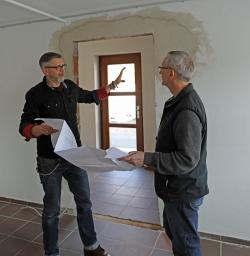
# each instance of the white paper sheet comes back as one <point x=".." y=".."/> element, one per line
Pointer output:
<point x="85" y="157"/>
<point x="63" y="139"/>
<point x="114" y="153"/>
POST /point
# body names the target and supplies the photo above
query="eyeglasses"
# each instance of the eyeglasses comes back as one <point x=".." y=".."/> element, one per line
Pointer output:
<point x="58" y="67"/>
<point x="160" y="67"/>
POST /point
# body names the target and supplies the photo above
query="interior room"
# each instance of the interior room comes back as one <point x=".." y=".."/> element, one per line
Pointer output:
<point x="97" y="39"/>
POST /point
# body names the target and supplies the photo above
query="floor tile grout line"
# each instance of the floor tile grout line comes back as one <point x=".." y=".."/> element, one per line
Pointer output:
<point x="132" y="197"/>
<point x="71" y="232"/>
<point x="23" y="239"/>
<point x="15" y="237"/>
<point x="14" y="218"/>
<point x="221" y="248"/>
<point x="130" y="242"/>
<point x="15" y="229"/>
<point x="34" y="242"/>
<point x="156" y="240"/>
<point x="22" y="249"/>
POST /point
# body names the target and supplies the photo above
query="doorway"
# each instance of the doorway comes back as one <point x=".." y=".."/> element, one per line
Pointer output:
<point x="124" y="195"/>
<point x="121" y="113"/>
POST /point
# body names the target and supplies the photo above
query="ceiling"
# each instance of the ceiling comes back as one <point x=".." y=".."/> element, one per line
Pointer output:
<point x="13" y="13"/>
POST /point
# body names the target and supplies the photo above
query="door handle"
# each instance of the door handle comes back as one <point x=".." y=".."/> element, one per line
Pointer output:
<point x="138" y="112"/>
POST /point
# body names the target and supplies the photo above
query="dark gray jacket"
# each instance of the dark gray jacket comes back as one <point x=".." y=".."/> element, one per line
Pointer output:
<point x="180" y="153"/>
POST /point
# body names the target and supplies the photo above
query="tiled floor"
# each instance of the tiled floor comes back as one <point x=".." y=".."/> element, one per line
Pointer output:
<point x="125" y="194"/>
<point x="21" y="235"/>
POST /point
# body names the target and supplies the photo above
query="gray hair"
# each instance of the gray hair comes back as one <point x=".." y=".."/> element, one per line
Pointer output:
<point x="182" y="63"/>
<point x="47" y="57"/>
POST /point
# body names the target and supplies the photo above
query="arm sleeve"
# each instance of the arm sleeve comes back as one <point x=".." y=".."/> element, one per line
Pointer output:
<point x="85" y="96"/>
<point x="30" y="113"/>
<point x="187" y="132"/>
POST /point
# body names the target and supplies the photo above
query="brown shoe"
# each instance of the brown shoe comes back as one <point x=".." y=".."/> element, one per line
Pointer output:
<point x="99" y="251"/>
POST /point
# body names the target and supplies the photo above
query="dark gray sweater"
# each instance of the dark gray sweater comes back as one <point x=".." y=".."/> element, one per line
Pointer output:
<point x="180" y="153"/>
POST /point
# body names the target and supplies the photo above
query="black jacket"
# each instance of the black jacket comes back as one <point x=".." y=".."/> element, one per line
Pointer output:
<point x="180" y="153"/>
<point x="43" y="101"/>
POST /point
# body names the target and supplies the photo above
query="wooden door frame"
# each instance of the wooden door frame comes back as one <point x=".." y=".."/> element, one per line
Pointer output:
<point x="120" y="59"/>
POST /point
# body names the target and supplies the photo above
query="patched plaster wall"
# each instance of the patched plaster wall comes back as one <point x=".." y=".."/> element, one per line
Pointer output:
<point x="171" y="31"/>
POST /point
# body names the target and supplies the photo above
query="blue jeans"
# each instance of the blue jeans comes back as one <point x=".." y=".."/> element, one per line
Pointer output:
<point x="51" y="172"/>
<point x="181" y="225"/>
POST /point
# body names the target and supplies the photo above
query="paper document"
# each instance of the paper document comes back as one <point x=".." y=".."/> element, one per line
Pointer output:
<point x="114" y="153"/>
<point x="63" y="139"/>
<point x="85" y="157"/>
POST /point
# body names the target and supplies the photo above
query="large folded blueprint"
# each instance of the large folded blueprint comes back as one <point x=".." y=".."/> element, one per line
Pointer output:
<point x="85" y="157"/>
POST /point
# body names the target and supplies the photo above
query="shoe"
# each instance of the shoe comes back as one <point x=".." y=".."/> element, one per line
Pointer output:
<point x="99" y="251"/>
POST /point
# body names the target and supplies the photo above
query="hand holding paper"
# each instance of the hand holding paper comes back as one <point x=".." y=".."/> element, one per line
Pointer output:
<point x="85" y="157"/>
<point x="42" y="129"/>
<point x="135" y="158"/>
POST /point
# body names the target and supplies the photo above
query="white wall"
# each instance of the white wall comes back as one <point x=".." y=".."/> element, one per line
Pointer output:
<point x="20" y="48"/>
<point x="223" y="85"/>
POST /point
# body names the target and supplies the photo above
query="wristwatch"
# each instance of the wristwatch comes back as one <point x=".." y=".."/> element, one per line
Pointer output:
<point x="112" y="85"/>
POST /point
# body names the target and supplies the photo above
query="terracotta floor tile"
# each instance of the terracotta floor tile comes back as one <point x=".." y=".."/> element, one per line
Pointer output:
<point x="127" y="191"/>
<point x="131" y="234"/>
<point x="131" y="189"/>
<point x="235" y="250"/>
<point x="111" y="180"/>
<point x="140" y="202"/>
<point x="104" y="187"/>
<point x="2" y="237"/>
<point x="118" y="239"/>
<point x="10" y="209"/>
<point x="31" y="250"/>
<point x="38" y="216"/>
<point x="2" y="219"/>
<point x="69" y="253"/>
<point x="210" y="247"/>
<point x="143" y="215"/>
<point x="163" y="242"/>
<point x="158" y="252"/>
<point x="107" y="209"/>
<point x="100" y="226"/>
<point x="130" y="249"/>
<point x="101" y="196"/>
<point x="131" y="182"/>
<point x="73" y="243"/>
<point x="2" y="204"/>
<point x="63" y="233"/>
<point x="68" y="222"/>
<point x="26" y="214"/>
<point x="114" y="247"/>
<point x="121" y="199"/>
<point x="11" y="246"/>
<point x="28" y="232"/>
<point x="11" y="225"/>
<point x="146" y="192"/>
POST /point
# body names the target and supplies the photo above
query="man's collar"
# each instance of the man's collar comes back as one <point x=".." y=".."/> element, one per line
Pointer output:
<point x="62" y="84"/>
<point x="187" y="89"/>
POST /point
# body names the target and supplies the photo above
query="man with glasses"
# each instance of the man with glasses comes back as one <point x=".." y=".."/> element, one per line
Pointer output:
<point x="56" y="97"/>
<point x="179" y="160"/>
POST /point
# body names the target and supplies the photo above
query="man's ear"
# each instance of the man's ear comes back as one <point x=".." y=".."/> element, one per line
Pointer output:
<point x="44" y="71"/>
<point x="172" y="73"/>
